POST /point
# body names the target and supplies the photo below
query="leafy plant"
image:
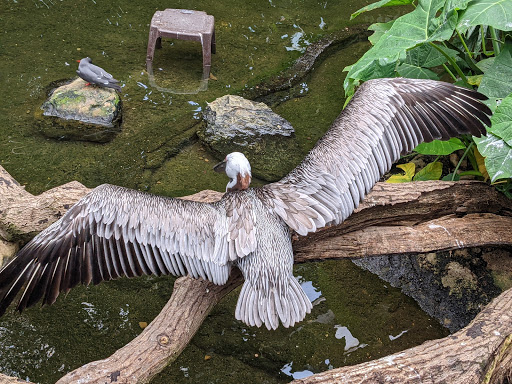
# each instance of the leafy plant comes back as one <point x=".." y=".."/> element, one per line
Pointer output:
<point x="461" y="39"/>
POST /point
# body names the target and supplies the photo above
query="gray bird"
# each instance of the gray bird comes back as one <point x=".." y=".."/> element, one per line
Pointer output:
<point x="96" y="75"/>
<point x="115" y="231"/>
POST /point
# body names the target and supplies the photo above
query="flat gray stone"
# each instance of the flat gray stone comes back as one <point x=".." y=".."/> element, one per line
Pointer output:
<point x="267" y="140"/>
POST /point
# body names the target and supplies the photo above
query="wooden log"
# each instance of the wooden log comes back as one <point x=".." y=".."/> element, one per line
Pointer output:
<point x="414" y="209"/>
<point x="446" y="232"/>
<point x="23" y="215"/>
<point x="444" y="215"/>
<point x="12" y="380"/>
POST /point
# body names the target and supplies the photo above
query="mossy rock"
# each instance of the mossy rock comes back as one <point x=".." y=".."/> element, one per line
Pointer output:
<point x="75" y="111"/>
<point x="235" y="124"/>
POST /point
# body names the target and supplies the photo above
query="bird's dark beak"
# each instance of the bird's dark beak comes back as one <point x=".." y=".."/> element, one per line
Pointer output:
<point x="221" y="167"/>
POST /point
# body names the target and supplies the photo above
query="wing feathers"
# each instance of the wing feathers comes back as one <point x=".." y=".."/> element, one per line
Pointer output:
<point x="116" y="232"/>
<point x="385" y="118"/>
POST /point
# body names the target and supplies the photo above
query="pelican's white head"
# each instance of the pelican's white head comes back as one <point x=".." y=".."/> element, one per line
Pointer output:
<point x="237" y="168"/>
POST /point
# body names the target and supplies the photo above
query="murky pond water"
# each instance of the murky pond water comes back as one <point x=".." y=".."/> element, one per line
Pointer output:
<point x="356" y="317"/>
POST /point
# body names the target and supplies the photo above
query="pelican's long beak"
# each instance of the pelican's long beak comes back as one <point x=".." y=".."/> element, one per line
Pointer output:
<point x="221" y="167"/>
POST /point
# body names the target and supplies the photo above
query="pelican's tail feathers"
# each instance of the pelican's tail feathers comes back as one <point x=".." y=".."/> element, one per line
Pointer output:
<point x="286" y="303"/>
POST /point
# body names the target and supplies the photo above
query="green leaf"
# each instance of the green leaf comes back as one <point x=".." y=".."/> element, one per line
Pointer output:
<point x="456" y="5"/>
<point x="407" y="70"/>
<point x="405" y="178"/>
<point x="431" y="171"/>
<point x="475" y="80"/>
<point x="498" y="156"/>
<point x="427" y="56"/>
<point x="495" y="13"/>
<point x="378" y="30"/>
<point x="480" y="162"/>
<point x="451" y="177"/>
<point x="421" y="25"/>
<point x="438" y="147"/>
<point x="379" y="4"/>
<point x="497" y="80"/>
<point x="485" y="64"/>
<point x="501" y="121"/>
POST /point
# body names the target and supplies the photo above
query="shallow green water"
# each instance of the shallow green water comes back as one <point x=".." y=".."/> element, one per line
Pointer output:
<point x="356" y="317"/>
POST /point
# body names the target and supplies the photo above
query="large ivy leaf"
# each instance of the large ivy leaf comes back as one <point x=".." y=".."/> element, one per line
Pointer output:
<point x="412" y="71"/>
<point x="498" y="156"/>
<point x="497" y="80"/>
<point x="438" y="147"/>
<point x="502" y="121"/>
<point x="431" y="171"/>
<point x="378" y="30"/>
<point x="423" y="24"/>
<point x="495" y="13"/>
<point x="427" y="56"/>
<point x="406" y="177"/>
<point x="379" y="4"/>
<point x="485" y="64"/>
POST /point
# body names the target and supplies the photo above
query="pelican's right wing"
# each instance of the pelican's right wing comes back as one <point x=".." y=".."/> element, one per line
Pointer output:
<point x="385" y="118"/>
<point x="115" y="231"/>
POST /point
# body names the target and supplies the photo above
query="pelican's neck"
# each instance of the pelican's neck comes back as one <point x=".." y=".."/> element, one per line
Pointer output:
<point x="240" y="183"/>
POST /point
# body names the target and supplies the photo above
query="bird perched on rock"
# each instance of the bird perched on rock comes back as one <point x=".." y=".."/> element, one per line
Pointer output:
<point x="96" y="75"/>
<point x="115" y="231"/>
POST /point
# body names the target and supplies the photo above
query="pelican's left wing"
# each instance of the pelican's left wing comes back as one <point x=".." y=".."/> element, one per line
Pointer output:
<point x="385" y="118"/>
<point x="115" y="231"/>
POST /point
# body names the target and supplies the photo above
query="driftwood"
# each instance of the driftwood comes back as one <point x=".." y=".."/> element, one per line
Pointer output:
<point x="423" y="217"/>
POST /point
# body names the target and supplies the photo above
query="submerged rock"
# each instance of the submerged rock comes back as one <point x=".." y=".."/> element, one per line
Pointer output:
<point x="268" y="140"/>
<point x="452" y="286"/>
<point x="75" y="111"/>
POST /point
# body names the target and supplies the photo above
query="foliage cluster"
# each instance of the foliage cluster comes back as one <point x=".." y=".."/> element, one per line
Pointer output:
<point x="469" y="41"/>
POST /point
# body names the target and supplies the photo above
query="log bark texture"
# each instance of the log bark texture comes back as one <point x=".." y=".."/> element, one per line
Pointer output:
<point x="392" y="219"/>
<point x="23" y="215"/>
<point x="415" y="217"/>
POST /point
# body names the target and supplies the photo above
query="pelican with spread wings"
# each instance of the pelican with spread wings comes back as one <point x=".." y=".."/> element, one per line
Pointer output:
<point x="115" y="231"/>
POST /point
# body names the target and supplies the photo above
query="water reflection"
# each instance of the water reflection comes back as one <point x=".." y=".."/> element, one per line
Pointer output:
<point x="298" y="40"/>
<point x="391" y="337"/>
<point x="351" y="343"/>
<point x="287" y="370"/>
<point x="311" y="291"/>
<point x="187" y="89"/>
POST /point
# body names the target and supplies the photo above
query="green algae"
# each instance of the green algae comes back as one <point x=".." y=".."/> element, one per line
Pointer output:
<point x="250" y="46"/>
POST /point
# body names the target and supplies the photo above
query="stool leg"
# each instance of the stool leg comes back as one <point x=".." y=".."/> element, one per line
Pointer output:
<point x="153" y="33"/>
<point x="214" y="45"/>
<point x="206" y="42"/>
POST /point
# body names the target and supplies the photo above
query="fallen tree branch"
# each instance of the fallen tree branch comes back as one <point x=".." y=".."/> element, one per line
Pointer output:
<point x="443" y="215"/>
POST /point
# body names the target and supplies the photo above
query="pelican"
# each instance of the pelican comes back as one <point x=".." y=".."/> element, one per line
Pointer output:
<point x="115" y="231"/>
<point x="96" y="75"/>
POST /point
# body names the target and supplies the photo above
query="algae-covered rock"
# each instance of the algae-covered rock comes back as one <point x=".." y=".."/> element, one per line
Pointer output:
<point x="75" y="111"/>
<point x="268" y="140"/>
